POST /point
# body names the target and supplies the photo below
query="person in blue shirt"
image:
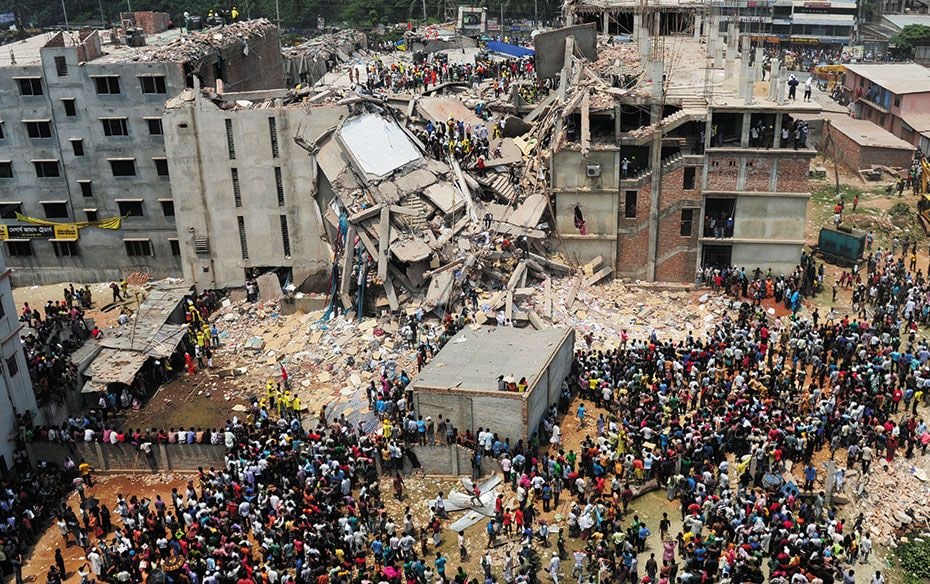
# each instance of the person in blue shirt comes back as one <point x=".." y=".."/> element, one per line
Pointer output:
<point x="581" y="415"/>
<point x="440" y="563"/>
<point x="810" y="475"/>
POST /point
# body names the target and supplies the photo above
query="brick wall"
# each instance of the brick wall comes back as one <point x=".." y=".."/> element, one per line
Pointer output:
<point x="793" y="175"/>
<point x="855" y="157"/>
<point x="758" y="174"/>
<point x="722" y="173"/>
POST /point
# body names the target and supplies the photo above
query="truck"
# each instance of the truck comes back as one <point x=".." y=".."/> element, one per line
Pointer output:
<point x="842" y="245"/>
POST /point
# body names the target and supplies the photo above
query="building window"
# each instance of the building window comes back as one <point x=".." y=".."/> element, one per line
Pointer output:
<point x="61" y="66"/>
<point x="123" y="167"/>
<point x="167" y="207"/>
<point x="629" y="205"/>
<point x="108" y="85"/>
<point x="279" y="185"/>
<point x="91" y="214"/>
<point x="881" y="120"/>
<point x="9" y="210"/>
<point x="230" y="140"/>
<point x="39" y="129"/>
<point x="175" y="247"/>
<point x="273" y="130"/>
<point x="688" y="182"/>
<point x="65" y="249"/>
<point x="70" y="107"/>
<point x="138" y="247"/>
<point x="30" y="86"/>
<point x="87" y="188"/>
<point x="115" y="126"/>
<point x="1" y="131"/>
<point x="131" y="208"/>
<point x="897" y="101"/>
<point x="687" y="220"/>
<point x="12" y="365"/>
<point x="78" y="146"/>
<point x="6" y="169"/>
<point x="237" y="191"/>
<point x="46" y="168"/>
<point x="153" y="84"/>
<point x="161" y="166"/>
<point x="56" y="210"/>
<point x="285" y="236"/>
<point x="155" y="127"/>
<point x="243" y="244"/>
<point x="19" y="249"/>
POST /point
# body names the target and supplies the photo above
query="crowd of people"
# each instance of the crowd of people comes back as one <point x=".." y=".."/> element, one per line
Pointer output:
<point x="418" y="77"/>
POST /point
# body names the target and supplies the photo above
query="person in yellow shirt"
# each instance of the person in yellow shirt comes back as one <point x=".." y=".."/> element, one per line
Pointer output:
<point x="386" y="430"/>
<point x="84" y="468"/>
<point x="295" y="407"/>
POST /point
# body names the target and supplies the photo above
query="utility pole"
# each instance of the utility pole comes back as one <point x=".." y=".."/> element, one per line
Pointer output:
<point x="65" y="11"/>
<point x="103" y="19"/>
<point x="424" y="11"/>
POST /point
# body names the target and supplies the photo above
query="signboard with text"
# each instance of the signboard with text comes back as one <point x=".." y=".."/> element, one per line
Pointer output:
<point x="64" y="232"/>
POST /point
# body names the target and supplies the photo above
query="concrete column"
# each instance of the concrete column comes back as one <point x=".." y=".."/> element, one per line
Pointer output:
<point x="773" y="79"/>
<point x="778" y="122"/>
<point x="655" y="163"/>
<point x="698" y="20"/>
<point x="773" y="177"/>
<point x="757" y="64"/>
<point x="718" y="53"/>
<point x="708" y="128"/>
<point x="637" y="26"/>
<point x="782" y="81"/>
<point x="453" y="452"/>
<point x="605" y="22"/>
<point x="744" y="135"/>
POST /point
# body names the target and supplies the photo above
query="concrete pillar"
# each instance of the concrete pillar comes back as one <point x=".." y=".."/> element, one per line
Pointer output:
<point x="655" y="163"/>
<point x="708" y="128"/>
<point x="698" y="20"/>
<point x="453" y="452"/>
<point x="637" y="26"/>
<point x="757" y="64"/>
<point x="773" y="79"/>
<point x="829" y="482"/>
<point x="605" y="22"/>
<point x="778" y="122"/>
<point x="773" y="177"/>
<point x="782" y="81"/>
<point x="732" y="44"/>
<point x="744" y="135"/>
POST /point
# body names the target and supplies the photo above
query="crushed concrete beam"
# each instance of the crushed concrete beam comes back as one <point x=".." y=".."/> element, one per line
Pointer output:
<point x="448" y="266"/>
<point x="348" y="260"/>
<point x="508" y="305"/>
<point x="538" y="323"/>
<point x="551" y="264"/>
<point x="391" y="293"/>
<point x="404" y="210"/>
<point x="365" y="214"/>
<point x="518" y="272"/>
<point x="384" y="241"/>
<point x="588" y="268"/>
<point x="572" y="293"/>
<point x="585" y="123"/>
<point x="598" y="276"/>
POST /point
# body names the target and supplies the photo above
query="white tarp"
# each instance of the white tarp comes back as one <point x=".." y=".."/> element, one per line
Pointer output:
<point x="377" y="144"/>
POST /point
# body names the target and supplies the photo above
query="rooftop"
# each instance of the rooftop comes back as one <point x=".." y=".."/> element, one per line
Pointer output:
<point x="475" y="357"/>
<point x="897" y="78"/>
<point x="902" y="20"/>
<point x="24" y="52"/>
<point x="865" y="133"/>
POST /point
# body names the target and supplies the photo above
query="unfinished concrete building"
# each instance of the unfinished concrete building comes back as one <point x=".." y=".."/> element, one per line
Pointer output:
<point x="669" y="153"/>
<point x="82" y="140"/>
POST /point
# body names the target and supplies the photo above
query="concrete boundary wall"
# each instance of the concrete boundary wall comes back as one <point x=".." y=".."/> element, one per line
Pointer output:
<point x="447" y="459"/>
<point x="126" y="457"/>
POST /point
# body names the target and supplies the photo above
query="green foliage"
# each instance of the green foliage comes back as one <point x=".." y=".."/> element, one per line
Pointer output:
<point x="914" y="557"/>
<point x="901" y="210"/>
<point x="913" y="35"/>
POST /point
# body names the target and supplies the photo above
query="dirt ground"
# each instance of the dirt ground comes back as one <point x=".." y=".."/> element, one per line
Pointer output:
<point x="103" y="312"/>
<point x="105" y="490"/>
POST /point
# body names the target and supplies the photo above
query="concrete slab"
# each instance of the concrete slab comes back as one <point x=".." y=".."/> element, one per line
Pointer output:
<point x="414" y="182"/>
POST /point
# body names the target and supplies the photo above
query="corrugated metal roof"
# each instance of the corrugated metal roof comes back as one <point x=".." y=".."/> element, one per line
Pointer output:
<point x="899" y="78"/>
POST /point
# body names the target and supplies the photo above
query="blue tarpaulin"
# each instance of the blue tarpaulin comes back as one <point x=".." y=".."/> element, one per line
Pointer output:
<point x="510" y="50"/>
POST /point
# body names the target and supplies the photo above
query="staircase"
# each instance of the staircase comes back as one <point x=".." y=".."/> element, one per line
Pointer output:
<point x="499" y="182"/>
<point x="413" y="222"/>
<point x="693" y="109"/>
<point x="669" y="164"/>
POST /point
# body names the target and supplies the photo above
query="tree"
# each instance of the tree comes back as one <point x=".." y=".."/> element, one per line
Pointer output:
<point x="913" y="35"/>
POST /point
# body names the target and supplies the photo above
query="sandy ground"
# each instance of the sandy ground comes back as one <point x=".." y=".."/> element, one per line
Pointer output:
<point x="101" y="295"/>
<point x="105" y="489"/>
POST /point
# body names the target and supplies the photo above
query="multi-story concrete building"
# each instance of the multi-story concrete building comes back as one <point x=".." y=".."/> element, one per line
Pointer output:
<point x="245" y="191"/>
<point x="708" y="178"/>
<point x="18" y="396"/>
<point x="82" y="139"/>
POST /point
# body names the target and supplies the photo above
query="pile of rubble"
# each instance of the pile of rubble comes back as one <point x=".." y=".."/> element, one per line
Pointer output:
<point x="894" y="498"/>
<point x="307" y="62"/>
<point x="196" y="45"/>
